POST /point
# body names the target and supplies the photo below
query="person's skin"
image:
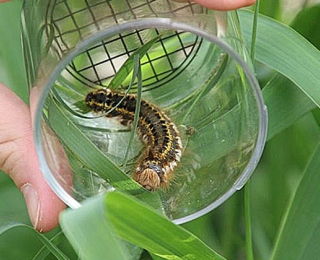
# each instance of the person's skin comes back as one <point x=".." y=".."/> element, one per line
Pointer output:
<point x="17" y="150"/>
<point x="222" y="5"/>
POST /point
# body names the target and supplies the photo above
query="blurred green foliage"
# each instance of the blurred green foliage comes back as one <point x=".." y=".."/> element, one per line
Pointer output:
<point x="12" y="71"/>
<point x="273" y="185"/>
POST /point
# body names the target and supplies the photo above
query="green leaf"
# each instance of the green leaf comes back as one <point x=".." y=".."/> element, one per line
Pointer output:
<point x="284" y="111"/>
<point x="284" y="50"/>
<point x="59" y="240"/>
<point x="127" y="67"/>
<point x="307" y="24"/>
<point x="91" y="234"/>
<point x="143" y="226"/>
<point x="286" y="104"/>
<point x="271" y="8"/>
<point x="12" y="70"/>
<point x="46" y="242"/>
<point x="136" y="74"/>
<point x="95" y="160"/>
<point x="82" y="107"/>
<point x="210" y="83"/>
<point x="101" y="221"/>
<point x="300" y="234"/>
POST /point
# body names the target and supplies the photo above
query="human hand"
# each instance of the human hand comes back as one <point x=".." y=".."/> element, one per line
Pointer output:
<point x="17" y="149"/>
<point x="222" y="4"/>
<point x="19" y="160"/>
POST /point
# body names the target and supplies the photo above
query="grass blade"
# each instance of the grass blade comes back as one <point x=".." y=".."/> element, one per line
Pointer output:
<point x="300" y="72"/>
<point x="247" y="190"/>
<point x="286" y="104"/>
<point x="60" y="240"/>
<point x="134" y="222"/>
<point x="92" y="235"/>
<point x="128" y="66"/>
<point x="247" y="214"/>
<point x="95" y="159"/>
<point x="46" y="242"/>
<point x="209" y="84"/>
<point x="254" y="30"/>
<point x="281" y="48"/>
<point x="300" y="233"/>
<point x="158" y="234"/>
<point x="12" y="67"/>
<point x="136" y="74"/>
<point x="307" y="23"/>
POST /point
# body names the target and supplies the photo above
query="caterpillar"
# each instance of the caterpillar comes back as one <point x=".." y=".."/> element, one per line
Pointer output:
<point x="158" y="133"/>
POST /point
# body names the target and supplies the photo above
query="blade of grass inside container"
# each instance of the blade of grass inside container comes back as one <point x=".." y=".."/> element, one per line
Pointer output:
<point x="45" y="241"/>
<point x="136" y="75"/>
<point x="123" y="72"/>
<point x="151" y="198"/>
<point x="127" y="67"/>
<point x="96" y="160"/>
<point x="82" y="106"/>
<point x="87" y="152"/>
<point x="208" y="85"/>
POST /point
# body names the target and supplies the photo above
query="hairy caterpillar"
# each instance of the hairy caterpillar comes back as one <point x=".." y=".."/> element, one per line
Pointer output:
<point x="160" y="135"/>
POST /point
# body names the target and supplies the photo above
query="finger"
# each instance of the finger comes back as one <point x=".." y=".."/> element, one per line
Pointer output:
<point x="18" y="159"/>
<point x="222" y="5"/>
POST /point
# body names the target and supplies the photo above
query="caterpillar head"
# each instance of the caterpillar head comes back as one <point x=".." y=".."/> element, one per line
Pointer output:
<point x="148" y="176"/>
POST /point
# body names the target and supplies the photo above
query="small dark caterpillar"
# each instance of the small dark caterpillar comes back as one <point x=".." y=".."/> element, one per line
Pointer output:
<point x="163" y="144"/>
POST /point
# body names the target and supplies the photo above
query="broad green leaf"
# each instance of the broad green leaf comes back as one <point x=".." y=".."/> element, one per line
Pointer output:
<point x="95" y="160"/>
<point x="122" y="216"/>
<point x="92" y="235"/>
<point x="46" y="242"/>
<point x="283" y="49"/>
<point x="286" y="104"/>
<point x="157" y="234"/>
<point x="300" y="234"/>
<point x="155" y="257"/>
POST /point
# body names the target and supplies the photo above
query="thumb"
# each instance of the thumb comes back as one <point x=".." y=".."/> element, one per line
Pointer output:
<point x="19" y="160"/>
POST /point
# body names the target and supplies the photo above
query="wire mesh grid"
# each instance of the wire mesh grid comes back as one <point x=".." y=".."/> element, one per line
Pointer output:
<point x="74" y="20"/>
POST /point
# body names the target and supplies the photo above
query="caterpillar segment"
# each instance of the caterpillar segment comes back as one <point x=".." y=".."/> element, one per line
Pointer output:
<point x="160" y="135"/>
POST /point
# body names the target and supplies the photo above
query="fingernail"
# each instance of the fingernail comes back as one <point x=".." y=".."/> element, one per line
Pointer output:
<point x="32" y="201"/>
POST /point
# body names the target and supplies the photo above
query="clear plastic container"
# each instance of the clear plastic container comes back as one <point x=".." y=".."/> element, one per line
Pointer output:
<point x="196" y="71"/>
